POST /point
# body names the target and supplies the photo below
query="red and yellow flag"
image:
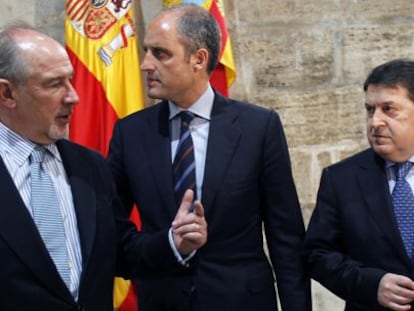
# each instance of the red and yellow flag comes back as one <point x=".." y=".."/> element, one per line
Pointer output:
<point x="225" y="73"/>
<point x="101" y="41"/>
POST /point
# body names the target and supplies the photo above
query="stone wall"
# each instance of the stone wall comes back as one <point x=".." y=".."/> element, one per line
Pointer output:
<point x="307" y="59"/>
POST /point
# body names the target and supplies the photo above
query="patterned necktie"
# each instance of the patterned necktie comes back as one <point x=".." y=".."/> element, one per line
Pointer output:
<point x="403" y="201"/>
<point x="46" y="213"/>
<point x="184" y="164"/>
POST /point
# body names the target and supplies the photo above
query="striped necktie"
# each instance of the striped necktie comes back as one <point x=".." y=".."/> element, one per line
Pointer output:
<point x="403" y="201"/>
<point x="47" y="214"/>
<point x="184" y="163"/>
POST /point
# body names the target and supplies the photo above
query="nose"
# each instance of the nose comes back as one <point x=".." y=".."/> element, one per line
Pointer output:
<point x="72" y="96"/>
<point x="147" y="63"/>
<point x="377" y="118"/>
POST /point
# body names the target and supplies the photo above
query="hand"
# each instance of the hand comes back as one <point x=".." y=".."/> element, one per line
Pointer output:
<point x="396" y="292"/>
<point x="189" y="227"/>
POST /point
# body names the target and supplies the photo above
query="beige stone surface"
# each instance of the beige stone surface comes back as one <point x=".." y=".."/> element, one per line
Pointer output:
<point x="11" y="10"/>
<point x="286" y="58"/>
<point x="317" y="116"/>
<point x="365" y="46"/>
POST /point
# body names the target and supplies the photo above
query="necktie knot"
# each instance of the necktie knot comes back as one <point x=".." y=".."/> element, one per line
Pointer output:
<point x="186" y="118"/>
<point x="38" y="154"/>
<point x="402" y="169"/>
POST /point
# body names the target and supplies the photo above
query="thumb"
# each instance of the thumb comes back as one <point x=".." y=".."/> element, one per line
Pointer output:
<point x="198" y="209"/>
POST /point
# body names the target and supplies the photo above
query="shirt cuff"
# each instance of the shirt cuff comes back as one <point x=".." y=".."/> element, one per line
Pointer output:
<point x="183" y="261"/>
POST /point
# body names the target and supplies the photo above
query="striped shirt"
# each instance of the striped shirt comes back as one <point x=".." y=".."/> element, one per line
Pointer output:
<point x="15" y="152"/>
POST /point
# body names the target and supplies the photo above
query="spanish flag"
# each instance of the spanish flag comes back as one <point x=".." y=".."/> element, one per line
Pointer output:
<point x="101" y="41"/>
<point x="225" y="73"/>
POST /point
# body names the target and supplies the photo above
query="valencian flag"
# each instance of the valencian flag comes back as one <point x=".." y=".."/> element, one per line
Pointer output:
<point x="101" y="41"/>
<point x="225" y="73"/>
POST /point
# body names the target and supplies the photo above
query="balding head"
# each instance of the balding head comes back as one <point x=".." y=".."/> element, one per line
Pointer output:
<point x="18" y="43"/>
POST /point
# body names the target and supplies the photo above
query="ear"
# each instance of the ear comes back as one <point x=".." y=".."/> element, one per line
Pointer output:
<point x="200" y="59"/>
<point x="6" y="93"/>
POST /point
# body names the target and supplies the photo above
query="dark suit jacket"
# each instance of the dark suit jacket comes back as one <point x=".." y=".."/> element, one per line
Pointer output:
<point x="29" y="279"/>
<point x="353" y="238"/>
<point x="247" y="182"/>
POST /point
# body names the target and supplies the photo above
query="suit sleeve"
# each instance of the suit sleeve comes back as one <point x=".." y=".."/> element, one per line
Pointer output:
<point x="115" y="161"/>
<point x="326" y="256"/>
<point x="283" y="220"/>
<point x="140" y="254"/>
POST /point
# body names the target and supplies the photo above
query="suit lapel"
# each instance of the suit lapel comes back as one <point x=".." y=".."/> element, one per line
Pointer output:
<point x="80" y="178"/>
<point x="19" y="231"/>
<point x="223" y="138"/>
<point x="374" y="186"/>
<point x="157" y="144"/>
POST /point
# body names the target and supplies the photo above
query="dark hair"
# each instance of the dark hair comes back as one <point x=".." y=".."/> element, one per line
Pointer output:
<point x="13" y="65"/>
<point x="197" y="28"/>
<point x="398" y="72"/>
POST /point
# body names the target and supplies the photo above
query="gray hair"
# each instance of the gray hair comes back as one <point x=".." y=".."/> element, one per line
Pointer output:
<point x="13" y="64"/>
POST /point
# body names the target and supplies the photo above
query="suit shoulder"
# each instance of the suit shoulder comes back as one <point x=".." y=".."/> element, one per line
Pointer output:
<point x="135" y="121"/>
<point x="81" y="158"/>
<point x="360" y="158"/>
<point x="251" y="114"/>
<point x="71" y="147"/>
<point x="143" y="113"/>
<point x="249" y="107"/>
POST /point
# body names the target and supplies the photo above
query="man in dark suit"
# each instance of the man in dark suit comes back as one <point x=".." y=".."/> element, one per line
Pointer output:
<point x="64" y="257"/>
<point x="242" y="176"/>
<point x="357" y="243"/>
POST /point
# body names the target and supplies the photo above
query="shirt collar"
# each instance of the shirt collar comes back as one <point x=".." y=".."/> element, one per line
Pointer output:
<point x="201" y="108"/>
<point x="19" y="147"/>
<point x="389" y="163"/>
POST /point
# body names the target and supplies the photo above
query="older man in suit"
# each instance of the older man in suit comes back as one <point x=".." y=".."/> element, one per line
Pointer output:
<point x="61" y="227"/>
<point x="360" y="238"/>
<point x="242" y="176"/>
